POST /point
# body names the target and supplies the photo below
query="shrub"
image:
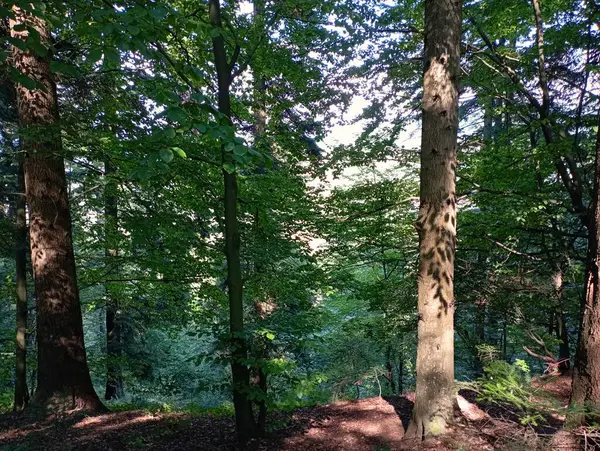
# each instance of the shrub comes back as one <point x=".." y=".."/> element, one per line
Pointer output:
<point x="507" y="383"/>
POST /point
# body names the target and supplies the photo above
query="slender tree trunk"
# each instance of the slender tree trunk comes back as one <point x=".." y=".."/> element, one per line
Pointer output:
<point x="389" y="369"/>
<point x="586" y="371"/>
<point x="262" y="405"/>
<point x="63" y="378"/>
<point x="564" y="355"/>
<point x="505" y="337"/>
<point x="245" y="424"/>
<point x="21" y="393"/>
<point x="488" y="120"/>
<point x="400" y="375"/>
<point x="436" y="224"/>
<point x="114" y="375"/>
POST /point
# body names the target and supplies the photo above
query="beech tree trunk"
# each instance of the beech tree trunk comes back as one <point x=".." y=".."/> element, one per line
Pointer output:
<point x="21" y="393"/>
<point x="63" y="378"/>
<point x="564" y="354"/>
<point x="586" y="371"/>
<point x="436" y="224"/>
<point x="245" y="424"/>
<point x="114" y="376"/>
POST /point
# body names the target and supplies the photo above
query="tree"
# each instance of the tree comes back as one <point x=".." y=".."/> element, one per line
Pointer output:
<point x="63" y="377"/>
<point x="114" y="376"/>
<point x="436" y="223"/>
<point x="244" y="417"/>
<point x="586" y="372"/>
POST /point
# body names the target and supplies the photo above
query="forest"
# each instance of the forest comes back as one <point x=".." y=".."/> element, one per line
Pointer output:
<point x="299" y="224"/>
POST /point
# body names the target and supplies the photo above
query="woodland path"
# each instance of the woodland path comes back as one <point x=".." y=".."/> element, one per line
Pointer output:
<point x="374" y="424"/>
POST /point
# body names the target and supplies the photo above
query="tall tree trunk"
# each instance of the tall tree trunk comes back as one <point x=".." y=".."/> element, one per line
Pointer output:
<point x="265" y="306"/>
<point x="114" y="376"/>
<point x="21" y="393"/>
<point x="245" y="424"/>
<point x="389" y="372"/>
<point x="586" y="371"/>
<point x="436" y="224"/>
<point x="400" y="374"/>
<point x="564" y="354"/>
<point x="63" y="378"/>
<point x="505" y="336"/>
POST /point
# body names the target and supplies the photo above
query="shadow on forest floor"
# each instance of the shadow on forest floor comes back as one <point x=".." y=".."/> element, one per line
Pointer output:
<point x="369" y="425"/>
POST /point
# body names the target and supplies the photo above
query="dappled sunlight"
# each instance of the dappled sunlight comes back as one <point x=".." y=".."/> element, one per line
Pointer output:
<point x="109" y="422"/>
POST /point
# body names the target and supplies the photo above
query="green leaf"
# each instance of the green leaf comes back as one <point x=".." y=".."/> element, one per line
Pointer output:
<point x="215" y="32"/>
<point x="166" y="155"/>
<point x="143" y="173"/>
<point x="170" y="132"/>
<point x="270" y="335"/>
<point x="162" y="166"/>
<point x="63" y="68"/>
<point x="133" y="29"/>
<point x="21" y="45"/>
<point x="112" y="55"/>
<point x="229" y="167"/>
<point x="108" y="28"/>
<point x="176" y="114"/>
<point x="159" y="13"/>
<point x="5" y="12"/>
<point x="180" y="152"/>
<point x="24" y="80"/>
<point x="240" y="150"/>
<point x="229" y="146"/>
<point x="37" y="47"/>
<point x="94" y="55"/>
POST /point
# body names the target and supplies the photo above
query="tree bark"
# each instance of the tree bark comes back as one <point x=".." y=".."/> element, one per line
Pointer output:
<point x="586" y="371"/>
<point x="114" y="374"/>
<point x="436" y="224"/>
<point x="21" y="392"/>
<point x="245" y="424"/>
<point x="389" y="369"/>
<point x="64" y="381"/>
<point x="400" y="374"/>
<point x="564" y="354"/>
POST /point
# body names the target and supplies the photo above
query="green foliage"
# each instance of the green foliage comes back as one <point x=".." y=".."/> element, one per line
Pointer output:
<point x="507" y="383"/>
<point x="328" y="244"/>
<point x="510" y="384"/>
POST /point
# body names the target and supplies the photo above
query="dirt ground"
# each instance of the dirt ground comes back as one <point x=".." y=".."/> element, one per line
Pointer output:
<point x="374" y="424"/>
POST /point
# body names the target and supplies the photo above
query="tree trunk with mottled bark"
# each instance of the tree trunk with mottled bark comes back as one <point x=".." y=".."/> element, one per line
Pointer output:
<point x="586" y="371"/>
<point x="64" y="381"/>
<point x="436" y="224"/>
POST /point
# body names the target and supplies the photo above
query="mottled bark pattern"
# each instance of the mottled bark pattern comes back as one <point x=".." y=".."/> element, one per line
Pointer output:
<point x="436" y="223"/>
<point x="63" y="377"/>
<point x="586" y="371"/>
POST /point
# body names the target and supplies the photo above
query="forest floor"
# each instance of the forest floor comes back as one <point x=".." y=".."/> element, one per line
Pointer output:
<point x="374" y="424"/>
